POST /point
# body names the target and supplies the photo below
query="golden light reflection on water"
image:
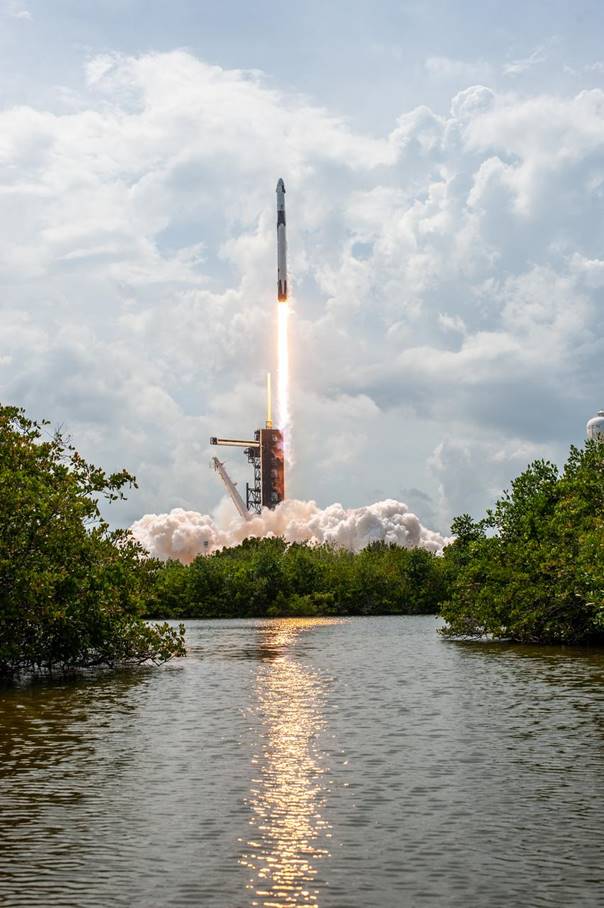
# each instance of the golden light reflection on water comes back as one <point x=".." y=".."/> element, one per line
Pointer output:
<point x="290" y="833"/>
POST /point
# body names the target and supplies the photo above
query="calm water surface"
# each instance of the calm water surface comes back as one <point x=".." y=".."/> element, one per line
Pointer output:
<point x="358" y="762"/>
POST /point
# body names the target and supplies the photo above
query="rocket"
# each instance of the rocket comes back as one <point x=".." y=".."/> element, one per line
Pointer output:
<point x="281" y="244"/>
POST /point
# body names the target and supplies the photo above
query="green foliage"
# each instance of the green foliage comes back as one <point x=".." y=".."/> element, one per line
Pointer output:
<point x="533" y="568"/>
<point x="267" y="578"/>
<point x="71" y="591"/>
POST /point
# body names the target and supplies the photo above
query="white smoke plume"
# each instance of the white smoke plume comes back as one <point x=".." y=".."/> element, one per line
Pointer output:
<point x="182" y="535"/>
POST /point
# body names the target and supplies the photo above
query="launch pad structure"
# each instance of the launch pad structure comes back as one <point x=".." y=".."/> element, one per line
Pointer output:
<point x="265" y="454"/>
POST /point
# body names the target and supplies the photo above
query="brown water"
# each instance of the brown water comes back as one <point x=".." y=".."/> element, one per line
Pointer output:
<point x="361" y="762"/>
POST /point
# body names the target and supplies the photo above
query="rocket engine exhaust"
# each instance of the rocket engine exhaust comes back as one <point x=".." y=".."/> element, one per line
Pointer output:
<point x="184" y="535"/>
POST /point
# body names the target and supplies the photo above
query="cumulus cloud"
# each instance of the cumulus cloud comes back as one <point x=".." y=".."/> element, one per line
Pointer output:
<point x="183" y="535"/>
<point x="467" y="470"/>
<point x="446" y="277"/>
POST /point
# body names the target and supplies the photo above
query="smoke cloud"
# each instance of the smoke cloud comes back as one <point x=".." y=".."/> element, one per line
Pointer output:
<point x="182" y="535"/>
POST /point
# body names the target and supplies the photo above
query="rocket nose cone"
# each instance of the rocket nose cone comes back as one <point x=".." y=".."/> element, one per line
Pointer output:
<point x="280" y="185"/>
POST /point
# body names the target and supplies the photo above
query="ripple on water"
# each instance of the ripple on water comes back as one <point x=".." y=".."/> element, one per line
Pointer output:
<point x="310" y="762"/>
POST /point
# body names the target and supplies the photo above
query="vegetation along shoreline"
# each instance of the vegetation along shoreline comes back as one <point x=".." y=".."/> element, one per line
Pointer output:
<point x="75" y="594"/>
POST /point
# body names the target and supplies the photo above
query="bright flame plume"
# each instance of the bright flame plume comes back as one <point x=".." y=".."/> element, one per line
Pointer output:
<point x="283" y="382"/>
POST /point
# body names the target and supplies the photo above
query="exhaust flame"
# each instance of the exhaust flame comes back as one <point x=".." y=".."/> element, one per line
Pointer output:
<point x="283" y="382"/>
<point x="183" y="535"/>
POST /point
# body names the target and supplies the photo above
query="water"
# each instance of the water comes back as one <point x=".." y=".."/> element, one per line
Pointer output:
<point x="357" y="762"/>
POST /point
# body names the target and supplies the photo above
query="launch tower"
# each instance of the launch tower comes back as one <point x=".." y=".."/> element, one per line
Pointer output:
<point x="265" y="454"/>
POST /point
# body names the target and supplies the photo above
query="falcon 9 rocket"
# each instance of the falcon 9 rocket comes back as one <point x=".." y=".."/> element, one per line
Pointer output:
<point x="281" y="244"/>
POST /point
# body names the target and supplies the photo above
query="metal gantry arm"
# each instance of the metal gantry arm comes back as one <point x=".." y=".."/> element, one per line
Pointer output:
<point x="233" y="442"/>
<point x="231" y="488"/>
<point x="253" y="494"/>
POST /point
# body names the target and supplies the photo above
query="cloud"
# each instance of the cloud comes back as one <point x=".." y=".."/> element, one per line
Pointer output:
<point x="451" y="70"/>
<point x="15" y="10"/>
<point x="466" y="469"/>
<point x="522" y="65"/>
<point x="446" y="278"/>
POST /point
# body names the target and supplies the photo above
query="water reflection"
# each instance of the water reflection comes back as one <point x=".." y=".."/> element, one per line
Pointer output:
<point x="51" y="738"/>
<point x="448" y="774"/>
<point x="44" y="724"/>
<point x="290" y="832"/>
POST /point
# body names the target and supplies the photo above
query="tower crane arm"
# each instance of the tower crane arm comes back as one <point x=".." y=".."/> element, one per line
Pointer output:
<point x="233" y="442"/>
<point x="231" y="488"/>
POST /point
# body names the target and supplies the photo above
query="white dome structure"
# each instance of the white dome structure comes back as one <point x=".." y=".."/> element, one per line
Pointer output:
<point x="595" y="426"/>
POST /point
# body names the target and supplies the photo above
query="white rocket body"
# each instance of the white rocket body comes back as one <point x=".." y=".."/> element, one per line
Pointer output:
<point x="281" y="244"/>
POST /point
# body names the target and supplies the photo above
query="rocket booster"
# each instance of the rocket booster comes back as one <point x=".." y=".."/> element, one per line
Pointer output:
<point x="281" y="244"/>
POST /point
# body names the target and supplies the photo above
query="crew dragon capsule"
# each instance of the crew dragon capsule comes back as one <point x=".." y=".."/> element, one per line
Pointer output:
<point x="281" y="244"/>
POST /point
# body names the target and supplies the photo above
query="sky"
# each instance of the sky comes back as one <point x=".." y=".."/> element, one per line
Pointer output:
<point x="444" y="166"/>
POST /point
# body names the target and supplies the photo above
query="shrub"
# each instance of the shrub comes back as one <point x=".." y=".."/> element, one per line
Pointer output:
<point x="71" y="591"/>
